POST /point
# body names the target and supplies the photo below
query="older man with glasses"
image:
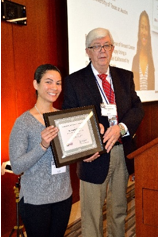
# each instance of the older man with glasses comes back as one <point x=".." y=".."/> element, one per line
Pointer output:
<point x="111" y="90"/>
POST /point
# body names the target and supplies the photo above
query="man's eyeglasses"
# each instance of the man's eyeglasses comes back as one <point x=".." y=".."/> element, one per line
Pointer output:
<point x="98" y="48"/>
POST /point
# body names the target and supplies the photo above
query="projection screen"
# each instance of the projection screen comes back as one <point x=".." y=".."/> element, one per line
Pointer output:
<point x="121" y="17"/>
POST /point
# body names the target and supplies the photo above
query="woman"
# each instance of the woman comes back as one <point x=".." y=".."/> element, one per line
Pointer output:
<point x="143" y="66"/>
<point x="45" y="197"/>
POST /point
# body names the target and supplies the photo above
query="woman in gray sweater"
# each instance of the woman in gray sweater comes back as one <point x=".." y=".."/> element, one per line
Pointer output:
<point x="45" y="195"/>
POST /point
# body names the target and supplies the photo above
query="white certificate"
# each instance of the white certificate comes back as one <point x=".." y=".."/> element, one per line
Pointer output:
<point x="75" y="134"/>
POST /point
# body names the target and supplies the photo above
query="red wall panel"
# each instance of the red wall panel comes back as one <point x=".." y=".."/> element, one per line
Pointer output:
<point x="8" y="95"/>
<point x="23" y="49"/>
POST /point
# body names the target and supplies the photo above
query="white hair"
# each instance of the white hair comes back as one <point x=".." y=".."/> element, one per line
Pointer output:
<point x="96" y="34"/>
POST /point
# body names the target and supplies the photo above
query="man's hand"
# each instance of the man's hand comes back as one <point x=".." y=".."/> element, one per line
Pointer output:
<point x="96" y="155"/>
<point x="92" y="158"/>
<point x="111" y="136"/>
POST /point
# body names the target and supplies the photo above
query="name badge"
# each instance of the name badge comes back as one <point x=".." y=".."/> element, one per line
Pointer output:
<point x="108" y="110"/>
<point x="57" y="170"/>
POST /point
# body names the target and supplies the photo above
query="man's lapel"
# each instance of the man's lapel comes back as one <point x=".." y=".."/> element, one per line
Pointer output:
<point x="92" y="85"/>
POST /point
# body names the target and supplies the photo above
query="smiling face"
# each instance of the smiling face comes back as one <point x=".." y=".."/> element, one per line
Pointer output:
<point x="50" y="86"/>
<point x="144" y="31"/>
<point x="100" y="59"/>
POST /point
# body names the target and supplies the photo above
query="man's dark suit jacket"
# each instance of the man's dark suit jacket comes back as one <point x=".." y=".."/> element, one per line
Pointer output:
<point x="80" y="89"/>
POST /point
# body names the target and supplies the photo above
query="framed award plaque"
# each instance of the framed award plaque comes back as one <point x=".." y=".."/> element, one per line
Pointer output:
<point x="78" y="137"/>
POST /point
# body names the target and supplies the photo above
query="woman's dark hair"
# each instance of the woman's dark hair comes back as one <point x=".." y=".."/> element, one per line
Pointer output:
<point x="148" y="47"/>
<point x="144" y="13"/>
<point x="41" y="70"/>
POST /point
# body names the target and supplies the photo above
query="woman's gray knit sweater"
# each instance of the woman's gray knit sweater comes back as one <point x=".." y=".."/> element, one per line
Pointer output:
<point x="38" y="186"/>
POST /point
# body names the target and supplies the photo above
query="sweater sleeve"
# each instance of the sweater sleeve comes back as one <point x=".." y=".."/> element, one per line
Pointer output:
<point x="22" y="155"/>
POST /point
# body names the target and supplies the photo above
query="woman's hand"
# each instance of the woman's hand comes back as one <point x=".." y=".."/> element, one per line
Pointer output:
<point x="47" y="135"/>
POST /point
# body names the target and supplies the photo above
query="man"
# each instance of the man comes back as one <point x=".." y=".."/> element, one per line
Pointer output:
<point x="121" y="117"/>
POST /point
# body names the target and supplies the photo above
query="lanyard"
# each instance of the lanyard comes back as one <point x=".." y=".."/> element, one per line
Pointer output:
<point x="102" y="92"/>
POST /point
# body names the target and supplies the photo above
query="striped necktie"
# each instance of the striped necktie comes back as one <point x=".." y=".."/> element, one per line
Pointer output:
<point x="109" y="93"/>
<point x="107" y="89"/>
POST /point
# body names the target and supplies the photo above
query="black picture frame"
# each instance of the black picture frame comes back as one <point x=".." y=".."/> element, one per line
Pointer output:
<point x="78" y="137"/>
<point x="13" y="12"/>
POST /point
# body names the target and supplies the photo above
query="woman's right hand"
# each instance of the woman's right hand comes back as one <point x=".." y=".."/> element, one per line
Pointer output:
<point x="47" y="135"/>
